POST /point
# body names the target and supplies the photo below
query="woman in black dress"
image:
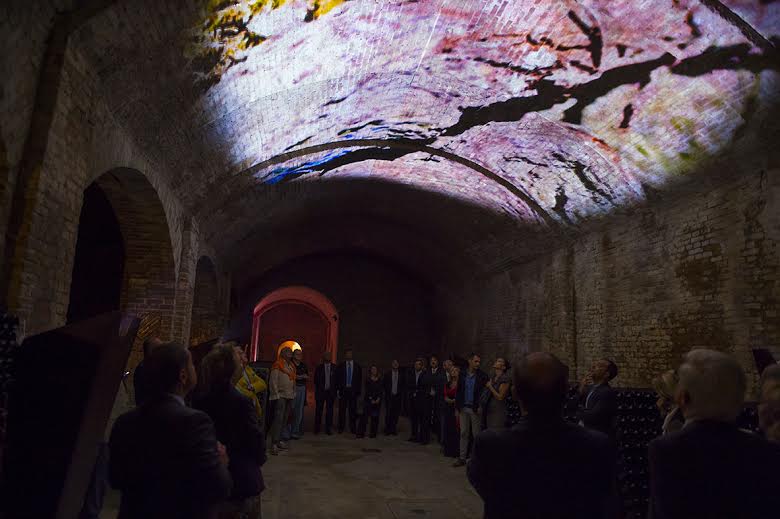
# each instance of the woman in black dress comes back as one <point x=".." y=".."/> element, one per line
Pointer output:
<point x="373" y="400"/>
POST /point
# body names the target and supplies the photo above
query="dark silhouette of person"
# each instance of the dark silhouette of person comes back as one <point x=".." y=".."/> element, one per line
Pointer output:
<point x="164" y="456"/>
<point x="543" y="467"/>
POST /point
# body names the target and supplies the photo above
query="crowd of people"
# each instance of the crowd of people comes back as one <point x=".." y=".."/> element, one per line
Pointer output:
<point x="195" y="444"/>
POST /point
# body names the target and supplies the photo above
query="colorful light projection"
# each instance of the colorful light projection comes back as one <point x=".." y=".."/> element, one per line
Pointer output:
<point x="554" y="110"/>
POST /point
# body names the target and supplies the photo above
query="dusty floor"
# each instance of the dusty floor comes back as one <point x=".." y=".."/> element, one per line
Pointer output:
<point x="341" y="477"/>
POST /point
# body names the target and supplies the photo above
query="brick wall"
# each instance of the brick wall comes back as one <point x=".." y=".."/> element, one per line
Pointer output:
<point x="206" y="319"/>
<point x="697" y="271"/>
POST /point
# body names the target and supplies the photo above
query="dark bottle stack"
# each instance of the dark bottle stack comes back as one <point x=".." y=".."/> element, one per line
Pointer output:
<point x="638" y="423"/>
<point x="8" y="347"/>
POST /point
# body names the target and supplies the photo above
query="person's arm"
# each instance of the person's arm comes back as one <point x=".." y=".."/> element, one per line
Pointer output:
<point x="252" y="435"/>
<point x="120" y="459"/>
<point x="502" y="391"/>
<point x="481" y="468"/>
<point x="209" y="477"/>
<point x="274" y="382"/>
<point x="603" y="410"/>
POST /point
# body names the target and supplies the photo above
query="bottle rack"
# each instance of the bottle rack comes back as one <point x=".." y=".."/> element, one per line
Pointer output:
<point x="638" y="423"/>
<point x="8" y="348"/>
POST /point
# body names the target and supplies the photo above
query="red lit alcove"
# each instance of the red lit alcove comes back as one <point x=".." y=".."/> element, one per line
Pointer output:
<point x="299" y="314"/>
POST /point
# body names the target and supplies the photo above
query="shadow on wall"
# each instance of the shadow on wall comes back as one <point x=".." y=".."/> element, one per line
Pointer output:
<point x="384" y="311"/>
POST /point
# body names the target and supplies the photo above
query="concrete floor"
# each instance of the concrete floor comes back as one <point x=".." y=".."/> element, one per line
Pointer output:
<point x="340" y="477"/>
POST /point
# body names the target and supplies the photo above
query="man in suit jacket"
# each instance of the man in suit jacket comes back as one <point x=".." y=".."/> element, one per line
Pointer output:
<point x="164" y="456"/>
<point x="470" y="385"/>
<point x="349" y="382"/>
<point x="438" y="379"/>
<point x="543" y="467"/>
<point x="598" y="399"/>
<point x="394" y="384"/>
<point x="324" y="393"/>
<point x="417" y="387"/>
<point x="711" y="468"/>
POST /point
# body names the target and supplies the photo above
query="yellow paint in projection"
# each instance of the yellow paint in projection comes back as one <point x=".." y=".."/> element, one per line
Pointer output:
<point x="320" y="7"/>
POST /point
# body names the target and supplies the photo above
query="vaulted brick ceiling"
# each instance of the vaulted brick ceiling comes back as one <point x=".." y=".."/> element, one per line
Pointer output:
<point x="466" y="119"/>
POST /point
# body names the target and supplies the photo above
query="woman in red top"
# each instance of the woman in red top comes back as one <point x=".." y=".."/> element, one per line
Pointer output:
<point x="451" y="438"/>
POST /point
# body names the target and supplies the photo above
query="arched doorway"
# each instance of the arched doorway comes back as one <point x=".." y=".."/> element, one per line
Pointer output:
<point x="98" y="265"/>
<point x="295" y="313"/>
<point x="122" y="212"/>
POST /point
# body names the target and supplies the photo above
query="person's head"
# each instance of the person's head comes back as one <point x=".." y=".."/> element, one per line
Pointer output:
<point x="169" y="369"/>
<point x="454" y="373"/>
<point x="242" y="356"/>
<point x="297" y="356"/>
<point x="474" y="362"/>
<point x="394" y="364"/>
<point x="434" y="362"/>
<point x="665" y="386"/>
<point x="769" y="403"/>
<point x="373" y="371"/>
<point x="603" y="370"/>
<point x="348" y="354"/>
<point x="711" y="386"/>
<point x="326" y="356"/>
<point x="418" y="364"/>
<point x="220" y="368"/>
<point x="286" y="354"/>
<point x="500" y="365"/>
<point x="541" y="383"/>
<point x="150" y="343"/>
<point x="447" y="364"/>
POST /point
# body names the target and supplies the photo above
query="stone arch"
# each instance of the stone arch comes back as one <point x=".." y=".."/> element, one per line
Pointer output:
<point x="149" y="276"/>
<point x="206" y="319"/>
<point x="306" y="299"/>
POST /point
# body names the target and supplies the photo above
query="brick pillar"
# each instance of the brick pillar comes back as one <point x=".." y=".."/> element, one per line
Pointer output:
<point x="185" y="283"/>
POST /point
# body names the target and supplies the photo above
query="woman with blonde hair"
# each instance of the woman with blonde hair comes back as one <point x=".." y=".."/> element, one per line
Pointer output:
<point x="666" y="386"/>
<point x="249" y="383"/>
<point x="282" y="393"/>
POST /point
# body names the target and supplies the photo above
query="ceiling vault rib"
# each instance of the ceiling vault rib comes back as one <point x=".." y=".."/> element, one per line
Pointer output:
<point x="744" y="27"/>
<point x="411" y="145"/>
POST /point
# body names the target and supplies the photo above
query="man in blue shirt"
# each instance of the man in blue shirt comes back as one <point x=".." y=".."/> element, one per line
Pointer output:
<point x="470" y="386"/>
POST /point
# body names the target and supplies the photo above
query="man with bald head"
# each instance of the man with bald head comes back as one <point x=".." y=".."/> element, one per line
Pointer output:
<point x="543" y="467"/>
<point x="711" y="467"/>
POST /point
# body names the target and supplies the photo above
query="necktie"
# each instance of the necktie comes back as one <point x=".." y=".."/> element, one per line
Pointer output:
<point x="327" y="376"/>
<point x="349" y="373"/>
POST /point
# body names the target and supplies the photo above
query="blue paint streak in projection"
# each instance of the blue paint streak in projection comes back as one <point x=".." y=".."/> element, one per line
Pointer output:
<point x="283" y="173"/>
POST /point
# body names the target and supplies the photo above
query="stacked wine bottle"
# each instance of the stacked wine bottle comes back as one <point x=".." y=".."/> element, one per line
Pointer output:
<point x="638" y="423"/>
<point x="8" y="348"/>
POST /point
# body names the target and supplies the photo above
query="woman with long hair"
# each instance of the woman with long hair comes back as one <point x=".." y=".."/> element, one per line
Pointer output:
<point x="249" y="383"/>
<point x="451" y="430"/>
<point x="282" y="393"/>
<point x="495" y="413"/>
<point x="665" y="386"/>
<point x="235" y="421"/>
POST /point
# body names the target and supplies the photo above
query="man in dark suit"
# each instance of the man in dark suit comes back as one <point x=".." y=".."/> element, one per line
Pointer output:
<point x="598" y="400"/>
<point x="415" y="391"/>
<point x="139" y="374"/>
<point x="711" y="468"/>
<point x="394" y="384"/>
<point x="164" y="456"/>
<point x="349" y="382"/>
<point x="470" y="385"/>
<point x="438" y="379"/>
<point x="324" y="393"/>
<point x="543" y="467"/>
